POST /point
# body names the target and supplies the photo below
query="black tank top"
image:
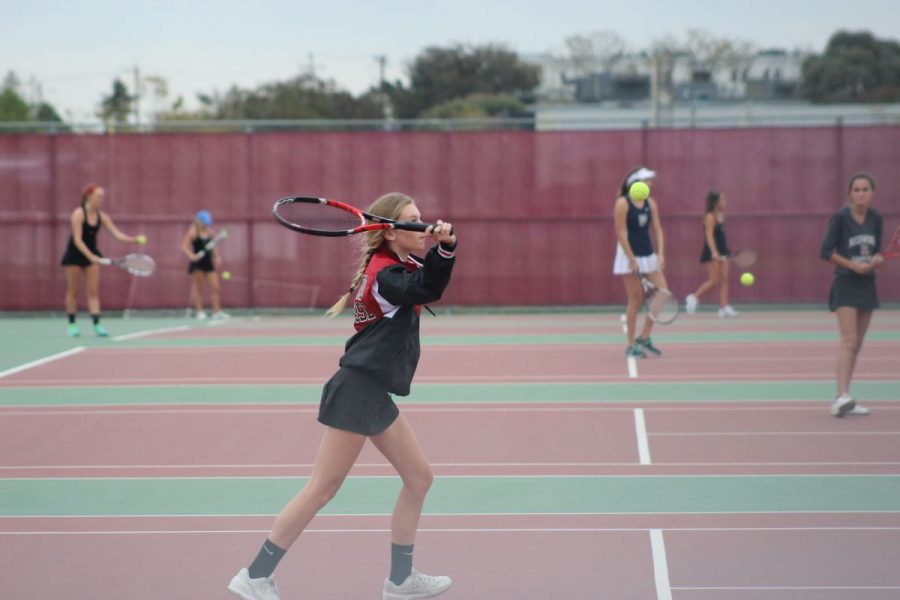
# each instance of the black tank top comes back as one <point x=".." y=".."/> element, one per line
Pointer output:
<point x="638" y="221"/>
<point x="88" y="231"/>
<point x="205" y="263"/>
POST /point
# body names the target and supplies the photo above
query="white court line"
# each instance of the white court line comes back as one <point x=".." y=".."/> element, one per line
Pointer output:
<point x="640" y="429"/>
<point x="624" y="320"/>
<point x="145" y="333"/>
<point x="426" y="529"/>
<point x="761" y="433"/>
<point x="632" y="367"/>
<point x="41" y="361"/>
<point x="793" y="588"/>
<point x="442" y="530"/>
<point x="660" y="565"/>
<point x="131" y="409"/>
<point x="125" y="467"/>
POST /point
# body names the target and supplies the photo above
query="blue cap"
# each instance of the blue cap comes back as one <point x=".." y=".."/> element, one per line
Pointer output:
<point x="204" y="217"/>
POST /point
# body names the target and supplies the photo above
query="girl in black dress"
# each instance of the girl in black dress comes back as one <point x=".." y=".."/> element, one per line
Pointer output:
<point x="714" y="256"/>
<point x="82" y="256"/>
<point x="203" y="268"/>
<point x="853" y="243"/>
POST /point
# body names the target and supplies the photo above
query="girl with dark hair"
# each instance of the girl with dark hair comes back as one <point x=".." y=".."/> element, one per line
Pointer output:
<point x="853" y="243"/>
<point x="714" y="256"/>
<point x="82" y="257"/>
<point x="634" y="219"/>
<point x="391" y="285"/>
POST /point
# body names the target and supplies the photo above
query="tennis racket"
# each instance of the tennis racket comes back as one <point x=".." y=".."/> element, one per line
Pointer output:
<point x="893" y="248"/>
<point x="660" y="304"/>
<point x="319" y="216"/>
<point x="140" y="265"/>
<point x="217" y="239"/>
<point x="744" y="259"/>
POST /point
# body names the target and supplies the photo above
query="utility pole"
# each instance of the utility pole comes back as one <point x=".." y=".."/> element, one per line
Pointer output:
<point x="137" y="95"/>
<point x="381" y="59"/>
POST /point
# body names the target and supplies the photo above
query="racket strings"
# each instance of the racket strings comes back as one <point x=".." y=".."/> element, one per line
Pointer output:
<point x="662" y="305"/>
<point x="322" y="217"/>
<point x="745" y="258"/>
<point x="139" y="264"/>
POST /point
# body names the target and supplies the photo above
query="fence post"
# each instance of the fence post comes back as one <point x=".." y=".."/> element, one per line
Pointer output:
<point x="839" y="151"/>
<point x="251" y="300"/>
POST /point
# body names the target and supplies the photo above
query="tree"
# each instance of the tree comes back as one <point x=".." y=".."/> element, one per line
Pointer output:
<point x="597" y="52"/>
<point x="304" y="97"/>
<point x="12" y="106"/>
<point x="117" y="106"/>
<point x="855" y="67"/>
<point x="441" y="74"/>
<point x="15" y="107"/>
<point x="478" y="106"/>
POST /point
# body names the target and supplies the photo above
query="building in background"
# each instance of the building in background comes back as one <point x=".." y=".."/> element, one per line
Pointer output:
<point x="768" y="75"/>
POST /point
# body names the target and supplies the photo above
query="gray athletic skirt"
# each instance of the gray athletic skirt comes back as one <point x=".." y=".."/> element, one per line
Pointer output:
<point x="354" y="401"/>
<point x="853" y="290"/>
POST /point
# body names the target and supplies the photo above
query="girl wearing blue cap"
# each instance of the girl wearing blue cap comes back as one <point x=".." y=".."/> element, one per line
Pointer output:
<point x="203" y="267"/>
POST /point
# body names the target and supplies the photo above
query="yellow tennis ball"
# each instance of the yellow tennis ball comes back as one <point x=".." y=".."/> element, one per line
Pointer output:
<point x="639" y="191"/>
<point x="748" y="278"/>
<point x="226" y="275"/>
<point x="141" y="239"/>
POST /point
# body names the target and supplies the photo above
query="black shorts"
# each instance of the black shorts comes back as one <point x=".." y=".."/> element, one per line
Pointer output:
<point x="853" y="290"/>
<point x="354" y="401"/>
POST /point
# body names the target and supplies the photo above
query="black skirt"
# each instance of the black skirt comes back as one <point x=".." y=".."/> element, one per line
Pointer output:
<point x="354" y="401"/>
<point x="74" y="258"/>
<point x="205" y="264"/>
<point x="853" y="290"/>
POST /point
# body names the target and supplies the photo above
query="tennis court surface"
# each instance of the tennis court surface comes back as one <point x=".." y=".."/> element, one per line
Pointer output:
<point x="150" y="464"/>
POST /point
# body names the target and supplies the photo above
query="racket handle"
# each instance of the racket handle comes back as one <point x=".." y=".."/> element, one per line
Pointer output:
<point x="105" y="261"/>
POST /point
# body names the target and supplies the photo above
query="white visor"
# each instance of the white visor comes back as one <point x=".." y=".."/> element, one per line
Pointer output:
<point x="642" y="174"/>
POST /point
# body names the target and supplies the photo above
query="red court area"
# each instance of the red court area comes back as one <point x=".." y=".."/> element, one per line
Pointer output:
<point x="703" y="555"/>
<point x="456" y="363"/>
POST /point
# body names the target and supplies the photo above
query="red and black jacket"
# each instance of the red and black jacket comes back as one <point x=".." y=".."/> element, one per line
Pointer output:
<point x="386" y="307"/>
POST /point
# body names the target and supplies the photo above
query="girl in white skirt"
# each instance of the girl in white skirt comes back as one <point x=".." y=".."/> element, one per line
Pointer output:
<point x="635" y="257"/>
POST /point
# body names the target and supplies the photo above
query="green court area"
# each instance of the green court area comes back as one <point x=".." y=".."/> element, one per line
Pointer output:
<point x="456" y="495"/>
<point x="432" y="393"/>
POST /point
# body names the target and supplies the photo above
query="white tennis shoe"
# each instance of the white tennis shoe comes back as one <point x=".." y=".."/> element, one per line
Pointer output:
<point x="416" y="587"/>
<point x="726" y="312"/>
<point x="263" y="588"/>
<point x="845" y="404"/>
<point x="690" y="304"/>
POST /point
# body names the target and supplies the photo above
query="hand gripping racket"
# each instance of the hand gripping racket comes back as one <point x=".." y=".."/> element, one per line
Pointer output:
<point x="661" y="305"/>
<point x="319" y="216"/>
<point x="211" y="244"/>
<point x="140" y="265"/>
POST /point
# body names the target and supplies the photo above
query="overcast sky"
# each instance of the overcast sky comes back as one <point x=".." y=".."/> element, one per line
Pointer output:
<point x="75" y="49"/>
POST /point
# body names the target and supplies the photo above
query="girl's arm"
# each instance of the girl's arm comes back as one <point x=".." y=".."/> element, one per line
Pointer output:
<point x="709" y="225"/>
<point x="856" y="267"/>
<point x="620" y="219"/>
<point x="658" y="233"/>
<point x="77" y="221"/>
<point x="117" y="233"/>
<point x="186" y="244"/>
<point x="400" y="286"/>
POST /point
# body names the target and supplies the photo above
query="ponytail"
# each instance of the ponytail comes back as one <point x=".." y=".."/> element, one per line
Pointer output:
<point x="339" y="306"/>
<point x="389" y="206"/>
